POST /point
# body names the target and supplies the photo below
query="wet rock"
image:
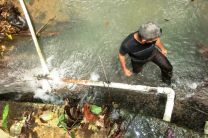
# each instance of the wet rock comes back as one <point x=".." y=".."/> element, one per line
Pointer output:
<point x="193" y="85"/>
<point x="203" y="50"/>
<point x="4" y="134"/>
<point x="46" y="116"/>
<point x="11" y="21"/>
<point x="13" y="16"/>
<point x="16" y="128"/>
<point x="169" y="133"/>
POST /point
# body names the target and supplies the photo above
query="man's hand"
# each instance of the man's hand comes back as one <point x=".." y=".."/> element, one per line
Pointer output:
<point x="164" y="52"/>
<point x="160" y="45"/>
<point x="122" y="60"/>
<point x="127" y="73"/>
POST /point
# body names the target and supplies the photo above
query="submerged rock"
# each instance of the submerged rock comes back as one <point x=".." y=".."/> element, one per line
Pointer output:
<point x="203" y="50"/>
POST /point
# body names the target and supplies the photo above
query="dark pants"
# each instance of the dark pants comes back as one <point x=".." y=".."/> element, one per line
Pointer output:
<point x="160" y="60"/>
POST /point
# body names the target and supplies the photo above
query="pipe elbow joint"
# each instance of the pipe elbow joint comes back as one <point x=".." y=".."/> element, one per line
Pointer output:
<point x="168" y="91"/>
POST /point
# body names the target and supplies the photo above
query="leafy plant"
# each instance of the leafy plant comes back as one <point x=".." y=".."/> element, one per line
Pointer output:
<point x="72" y="134"/>
<point x="62" y="122"/>
<point x="95" y="109"/>
<point x="5" y="116"/>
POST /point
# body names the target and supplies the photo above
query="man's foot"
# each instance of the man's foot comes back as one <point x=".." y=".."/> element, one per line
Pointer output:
<point x="167" y="81"/>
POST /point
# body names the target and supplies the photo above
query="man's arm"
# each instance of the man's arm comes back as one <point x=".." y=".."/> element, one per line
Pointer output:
<point x="160" y="45"/>
<point x="122" y="60"/>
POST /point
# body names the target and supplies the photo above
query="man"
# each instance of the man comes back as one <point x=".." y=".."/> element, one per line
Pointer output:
<point x="144" y="46"/>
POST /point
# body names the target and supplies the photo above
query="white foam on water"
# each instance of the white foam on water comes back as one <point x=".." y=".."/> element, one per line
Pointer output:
<point x="189" y="95"/>
<point x="49" y="61"/>
<point x="192" y="85"/>
<point x="71" y="86"/>
<point x="55" y="79"/>
<point x="43" y="88"/>
<point x="47" y="97"/>
<point x="94" y="76"/>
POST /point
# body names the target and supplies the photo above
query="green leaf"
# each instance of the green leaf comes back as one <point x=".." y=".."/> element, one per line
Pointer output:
<point x="61" y="122"/>
<point x="61" y="118"/>
<point x="72" y="133"/>
<point x="5" y="116"/>
<point x="9" y="36"/>
<point x="95" y="109"/>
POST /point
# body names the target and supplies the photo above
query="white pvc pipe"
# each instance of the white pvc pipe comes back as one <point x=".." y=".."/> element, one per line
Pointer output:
<point x="112" y="85"/>
<point x="42" y="61"/>
<point x="169" y="103"/>
<point x="206" y="128"/>
<point x="137" y="88"/>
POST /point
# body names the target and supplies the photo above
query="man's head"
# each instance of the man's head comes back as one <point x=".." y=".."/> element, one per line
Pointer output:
<point x="149" y="31"/>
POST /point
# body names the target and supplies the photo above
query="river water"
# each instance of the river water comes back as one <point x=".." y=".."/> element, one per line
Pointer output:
<point x="91" y="28"/>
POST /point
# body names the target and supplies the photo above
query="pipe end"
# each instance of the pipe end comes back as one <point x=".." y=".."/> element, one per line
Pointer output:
<point x="166" y="118"/>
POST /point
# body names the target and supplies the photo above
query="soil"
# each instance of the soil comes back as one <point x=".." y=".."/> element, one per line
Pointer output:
<point x="38" y="128"/>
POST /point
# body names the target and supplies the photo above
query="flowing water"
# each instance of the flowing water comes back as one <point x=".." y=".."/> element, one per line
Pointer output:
<point x="91" y="28"/>
<point x="97" y="28"/>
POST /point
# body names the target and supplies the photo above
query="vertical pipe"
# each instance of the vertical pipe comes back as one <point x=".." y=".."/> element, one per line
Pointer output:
<point x="169" y="103"/>
<point x="42" y="61"/>
<point x="206" y="128"/>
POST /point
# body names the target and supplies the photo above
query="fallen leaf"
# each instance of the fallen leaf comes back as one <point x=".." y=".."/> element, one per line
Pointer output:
<point x="88" y="115"/>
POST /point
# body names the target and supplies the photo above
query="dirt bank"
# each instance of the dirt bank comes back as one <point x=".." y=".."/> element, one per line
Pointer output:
<point x="44" y="118"/>
<point x="190" y="113"/>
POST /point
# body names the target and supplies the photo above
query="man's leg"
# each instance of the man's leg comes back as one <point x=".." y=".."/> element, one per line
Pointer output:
<point x="165" y="66"/>
<point x="137" y="67"/>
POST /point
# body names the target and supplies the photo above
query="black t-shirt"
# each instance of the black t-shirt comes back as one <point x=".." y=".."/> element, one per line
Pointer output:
<point x="135" y="49"/>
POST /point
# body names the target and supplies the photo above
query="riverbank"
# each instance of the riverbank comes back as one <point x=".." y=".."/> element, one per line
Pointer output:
<point x="186" y="112"/>
<point x="44" y="118"/>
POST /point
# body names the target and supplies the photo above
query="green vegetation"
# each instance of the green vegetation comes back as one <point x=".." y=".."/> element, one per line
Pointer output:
<point x="95" y="109"/>
<point x="5" y="116"/>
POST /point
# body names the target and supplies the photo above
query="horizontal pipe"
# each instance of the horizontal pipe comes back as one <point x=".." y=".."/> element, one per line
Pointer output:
<point x="137" y="88"/>
<point x="115" y="85"/>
